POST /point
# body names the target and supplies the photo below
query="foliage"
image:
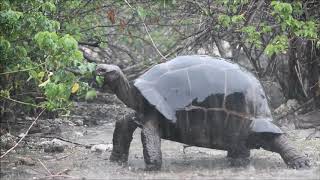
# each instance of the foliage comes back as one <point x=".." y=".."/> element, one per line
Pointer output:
<point x="36" y="52"/>
<point x="39" y="39"/>
<point x="283" y="24"/>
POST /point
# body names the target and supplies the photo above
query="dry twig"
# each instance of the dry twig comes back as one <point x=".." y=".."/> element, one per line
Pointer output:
<point x="44" y="167"/>
<point x="295" y="109"/>
<point x="25" y="134"/>
<point x="69" y="141"/>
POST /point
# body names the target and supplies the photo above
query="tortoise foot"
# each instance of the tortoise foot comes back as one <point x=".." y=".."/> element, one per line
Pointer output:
<point x="153" y="167"/>
<point x="299" y="163"/>
<point x="239" y="157"/>
<point x="119" y="158"/>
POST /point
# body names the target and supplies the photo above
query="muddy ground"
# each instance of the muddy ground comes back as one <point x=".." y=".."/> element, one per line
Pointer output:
<point x="93" y="123"/>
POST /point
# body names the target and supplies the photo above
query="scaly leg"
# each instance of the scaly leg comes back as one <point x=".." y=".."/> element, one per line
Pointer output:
<point x="239" y="156"/>
<point x="150" y="137"/>
<point x="122" y="137"/>
<point x="291" y="156"/>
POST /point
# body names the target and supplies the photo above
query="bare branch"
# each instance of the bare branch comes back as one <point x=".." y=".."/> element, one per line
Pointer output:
<point x="24" y="135"/>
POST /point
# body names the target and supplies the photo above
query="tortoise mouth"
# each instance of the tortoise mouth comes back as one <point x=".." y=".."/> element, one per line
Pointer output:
<point x="101" y="72"/>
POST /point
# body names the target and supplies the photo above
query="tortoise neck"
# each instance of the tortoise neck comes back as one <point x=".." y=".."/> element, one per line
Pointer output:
<point x="125" y="92"/>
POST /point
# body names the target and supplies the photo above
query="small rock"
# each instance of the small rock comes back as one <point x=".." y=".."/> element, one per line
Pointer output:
<point x="19" y="119"/>
<point x="21" y="135"/>
<point x="78" y="134"/>
<point x="45" y="128"/>
<point x="78" y="122"/>
<point x="26" y="161"/>
<point x="101" y="147"/>
<point x="286" y="107"/>
<point x="7" y="141"/>
<point x="69" y="123"/>
<point x="54" y="145"/>
<point x="57" y="120"/>
<point x="292" y="104"/>
<point x="29" y="118"/>
<point x="47" y="157"/>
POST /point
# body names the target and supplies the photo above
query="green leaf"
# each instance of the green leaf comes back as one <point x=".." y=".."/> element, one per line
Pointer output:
<point x="10" y="16"/>
<point x="141" y="12"/>
<point x="278" y="45"/>
<point x="5" y="93"/>
<point x="224" y="20"/>
<point x="4" y="5"/>
<point x="100" y="80"/>
<point x="48" y="6"/>
<point x="91" y="95"/>
<point x="237" y="18"/>
<point x="41" y="75"/>
<point x="69" y="43"/>
<point x="47" y="40"/>
<point x="91" y="67"/>
<point x="20" y="51"/>
<point x="78" y="55"/>
<point x="4" y="44"/>
<point x="266" y="29"/>
<point x="252" y="35"/>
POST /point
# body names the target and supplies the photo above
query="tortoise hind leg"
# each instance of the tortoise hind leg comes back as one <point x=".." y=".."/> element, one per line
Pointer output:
<point x="122" y="137"/>
<point x="279" y="143"/>
<point x="239" y="156"/>
<point x="291" y="156"/>
<point x="151" y="142"/>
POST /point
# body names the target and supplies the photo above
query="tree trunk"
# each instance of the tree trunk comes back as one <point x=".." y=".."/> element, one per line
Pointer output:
<point x="313" y="56"/>
<point x="295" y="86"/>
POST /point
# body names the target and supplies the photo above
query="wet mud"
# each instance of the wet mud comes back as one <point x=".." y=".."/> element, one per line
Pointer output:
<point x="79" y="162"/>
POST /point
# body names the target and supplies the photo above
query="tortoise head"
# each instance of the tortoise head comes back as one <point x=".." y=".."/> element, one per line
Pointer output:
<point x="117" y="82"/>
<point x="109" y="72"/>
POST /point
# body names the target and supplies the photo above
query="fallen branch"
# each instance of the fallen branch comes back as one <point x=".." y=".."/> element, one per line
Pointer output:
<point x="69" y="141"/>
<point x="316" y="129"/>
<point x="61" y="176"/>
<point x="24" y="135"/>
<point x="59" y="158"/>
<point x="20" y="102"/>
<point x="65" y="171"/>
<point x="44" y="167"/>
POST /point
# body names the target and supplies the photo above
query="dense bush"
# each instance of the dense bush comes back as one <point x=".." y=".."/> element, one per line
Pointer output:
<point x="37" y="57"/>
<point x="41" y="65"/>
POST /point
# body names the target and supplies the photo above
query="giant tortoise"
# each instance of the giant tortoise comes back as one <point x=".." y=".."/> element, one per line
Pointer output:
<point x="200" y="101"/>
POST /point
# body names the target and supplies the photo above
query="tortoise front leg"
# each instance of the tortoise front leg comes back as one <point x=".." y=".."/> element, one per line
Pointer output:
<point x="239" y="156"/>
<point x="151" y="142"/>
<point x="122" y="137"/>
<point x="291" y="156"/>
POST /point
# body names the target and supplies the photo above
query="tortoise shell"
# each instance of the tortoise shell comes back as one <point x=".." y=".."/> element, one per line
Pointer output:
<point x="203" y="88"/>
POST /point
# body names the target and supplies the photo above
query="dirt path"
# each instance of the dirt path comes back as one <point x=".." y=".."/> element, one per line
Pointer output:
<point x="195" y="163"/>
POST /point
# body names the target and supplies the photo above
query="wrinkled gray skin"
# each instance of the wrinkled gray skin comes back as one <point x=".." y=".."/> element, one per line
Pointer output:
<point x="155" y="126"/>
